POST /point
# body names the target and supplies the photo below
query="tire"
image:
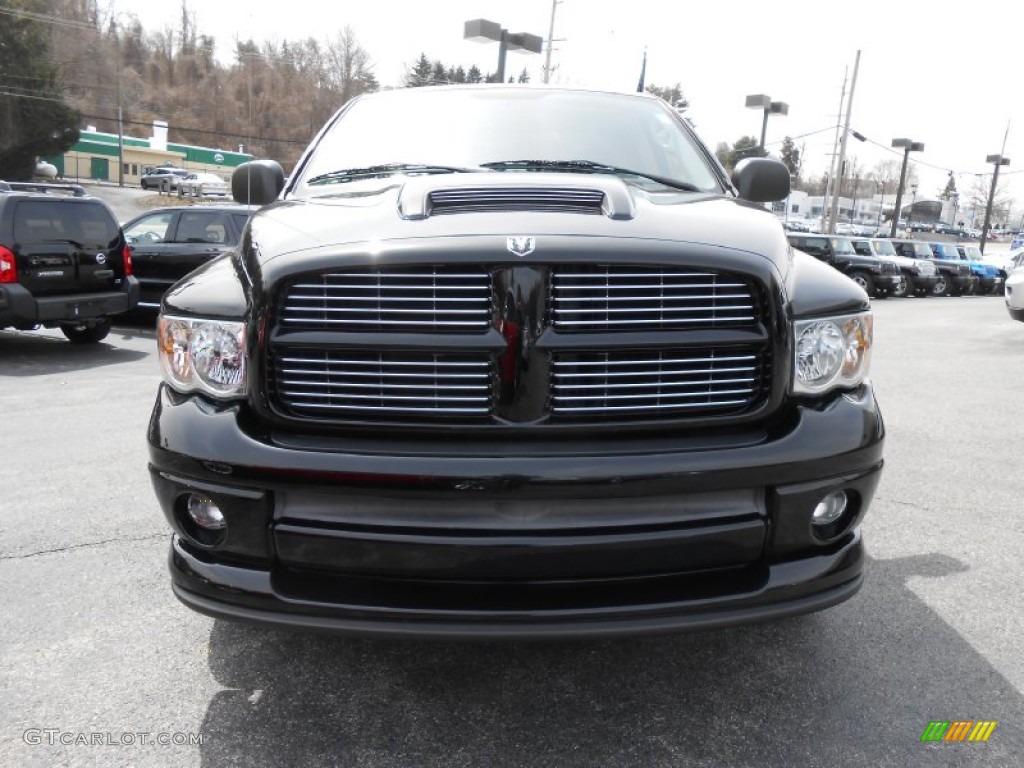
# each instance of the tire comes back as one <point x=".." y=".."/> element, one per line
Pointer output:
<point x="863" y="279"/>
<point x="82" y="333"/>
<point x="941" y="287"/>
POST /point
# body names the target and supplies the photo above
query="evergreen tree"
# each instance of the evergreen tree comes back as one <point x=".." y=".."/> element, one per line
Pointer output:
<point x="420" y="74"/>
<point x="673" y="95"/>
<point x="790" y="155"/>
<point x="30" y="127"/>
<point x="742" y="148"/>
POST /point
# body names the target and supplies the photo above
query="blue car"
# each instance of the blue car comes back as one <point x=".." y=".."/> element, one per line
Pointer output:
<point x="975" y="258"/>
<point x="986" y="275"/>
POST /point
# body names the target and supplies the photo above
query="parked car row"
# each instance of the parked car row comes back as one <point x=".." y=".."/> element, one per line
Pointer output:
<point x="168" y="178"/>
<point x="899" y="268"/>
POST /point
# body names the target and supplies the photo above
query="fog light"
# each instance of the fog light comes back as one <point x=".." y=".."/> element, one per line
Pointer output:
<point x="205" y="513"/>
<point x="830" y="509"/>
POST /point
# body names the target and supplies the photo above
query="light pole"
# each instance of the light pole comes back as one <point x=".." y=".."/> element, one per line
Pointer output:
<point x="913" y="199"/>
<point x="954" y="198"/>
<point x="996" y="160"/>
<point x="484" y="31"/>
<point x="763" y="102"/>
<point x="908" y="147"/>
<point x="881" y="204"/>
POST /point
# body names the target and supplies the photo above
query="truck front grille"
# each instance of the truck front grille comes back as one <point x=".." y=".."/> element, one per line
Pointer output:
<point x="415" y="299"/>
<point x="514" y="345"/>
<point x="595" y="298"/>
<point x="663" y="382"/>
<point x="382" y="385"/>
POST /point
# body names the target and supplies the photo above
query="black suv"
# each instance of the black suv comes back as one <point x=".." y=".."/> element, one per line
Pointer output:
<point x="168" y="243"/>
<point x="63" y="262"/>
<point x="513" y="392"/>
<point x="879" y="277"/>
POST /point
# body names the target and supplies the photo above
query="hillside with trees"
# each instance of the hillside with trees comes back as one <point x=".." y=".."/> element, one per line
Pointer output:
<point x="271" y="98"/>
<point x="87" y="63"/>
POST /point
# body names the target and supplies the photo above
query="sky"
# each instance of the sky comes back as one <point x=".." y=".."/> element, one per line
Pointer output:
<point x="940" y="74"/>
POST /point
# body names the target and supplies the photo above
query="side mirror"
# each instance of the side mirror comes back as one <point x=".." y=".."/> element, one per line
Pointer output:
<point x="761" y="180"/>
<point x="257" y="182"/>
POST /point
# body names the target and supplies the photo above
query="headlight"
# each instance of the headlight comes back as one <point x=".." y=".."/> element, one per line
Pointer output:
<point x="831" y="352"/>
<point x="203" y="355"/>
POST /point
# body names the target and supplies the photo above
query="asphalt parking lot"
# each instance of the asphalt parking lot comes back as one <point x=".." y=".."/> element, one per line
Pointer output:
<point x="93" y="642"/>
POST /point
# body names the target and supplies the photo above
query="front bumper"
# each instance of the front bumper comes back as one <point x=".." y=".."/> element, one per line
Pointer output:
<point x="450" y="540"/>
<point x="887" y="282"/>
<point x="992" y="285"/>
<point x="923" y="282"/>
<point x="965" y="283"/>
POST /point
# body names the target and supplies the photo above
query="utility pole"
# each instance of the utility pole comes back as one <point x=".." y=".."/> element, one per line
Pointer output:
<point x="832" y="164"/>
<point x="120" y="111"/>
<point x="842" y="149"/>
<point x="996" y="160"/>
<point x="551" y="40"/>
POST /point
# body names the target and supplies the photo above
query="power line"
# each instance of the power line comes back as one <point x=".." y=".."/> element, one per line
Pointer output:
<point x="46" y="19"/>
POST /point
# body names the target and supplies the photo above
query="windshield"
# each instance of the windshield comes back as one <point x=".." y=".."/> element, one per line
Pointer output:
<point x="923" y="251"/>
<point x="947" y="251"/>
<point x="883" y="248"/>
<point x="439" y="130"/>
<point x="973" y="252"/>
<point x="842" y="245"/>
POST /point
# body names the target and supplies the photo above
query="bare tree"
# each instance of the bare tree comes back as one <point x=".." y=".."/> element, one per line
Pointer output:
<point x="886" y="173"/>
<point x="349" y="69"/>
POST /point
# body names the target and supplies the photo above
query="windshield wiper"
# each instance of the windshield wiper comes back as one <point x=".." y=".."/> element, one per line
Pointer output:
<point x="586" y="166"/>
<point x="388" y="169"/>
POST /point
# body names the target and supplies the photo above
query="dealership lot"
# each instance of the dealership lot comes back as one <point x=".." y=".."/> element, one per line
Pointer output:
<point x="94" y="642"/>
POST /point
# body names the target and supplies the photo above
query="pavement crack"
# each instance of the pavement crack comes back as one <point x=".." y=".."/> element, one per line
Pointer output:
<point x="86" y="545"/>
<point x="902" y="503"/>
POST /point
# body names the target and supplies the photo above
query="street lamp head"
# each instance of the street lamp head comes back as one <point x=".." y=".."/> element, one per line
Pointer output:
<point x="908" y="145"/>
<point x="524" y="41"/>
<point x="482" y="31"/>
<point x="779" y="108"/>
<point x="759" y="101"/>
<point x="997" y="159"/>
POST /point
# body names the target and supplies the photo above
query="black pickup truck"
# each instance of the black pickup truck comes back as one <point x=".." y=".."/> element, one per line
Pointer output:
<point x="63" y="262"/>
<point x="537" y="368"/>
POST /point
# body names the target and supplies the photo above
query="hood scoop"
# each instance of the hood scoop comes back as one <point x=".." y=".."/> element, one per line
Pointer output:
<point x="429" y="196"/>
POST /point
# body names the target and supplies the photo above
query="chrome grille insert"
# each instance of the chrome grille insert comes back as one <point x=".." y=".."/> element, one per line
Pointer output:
<point x="595" y="298"/>
<point x="415" y="299"/>
<point x="386" y="386"/>
<point x="657" y="382"/>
